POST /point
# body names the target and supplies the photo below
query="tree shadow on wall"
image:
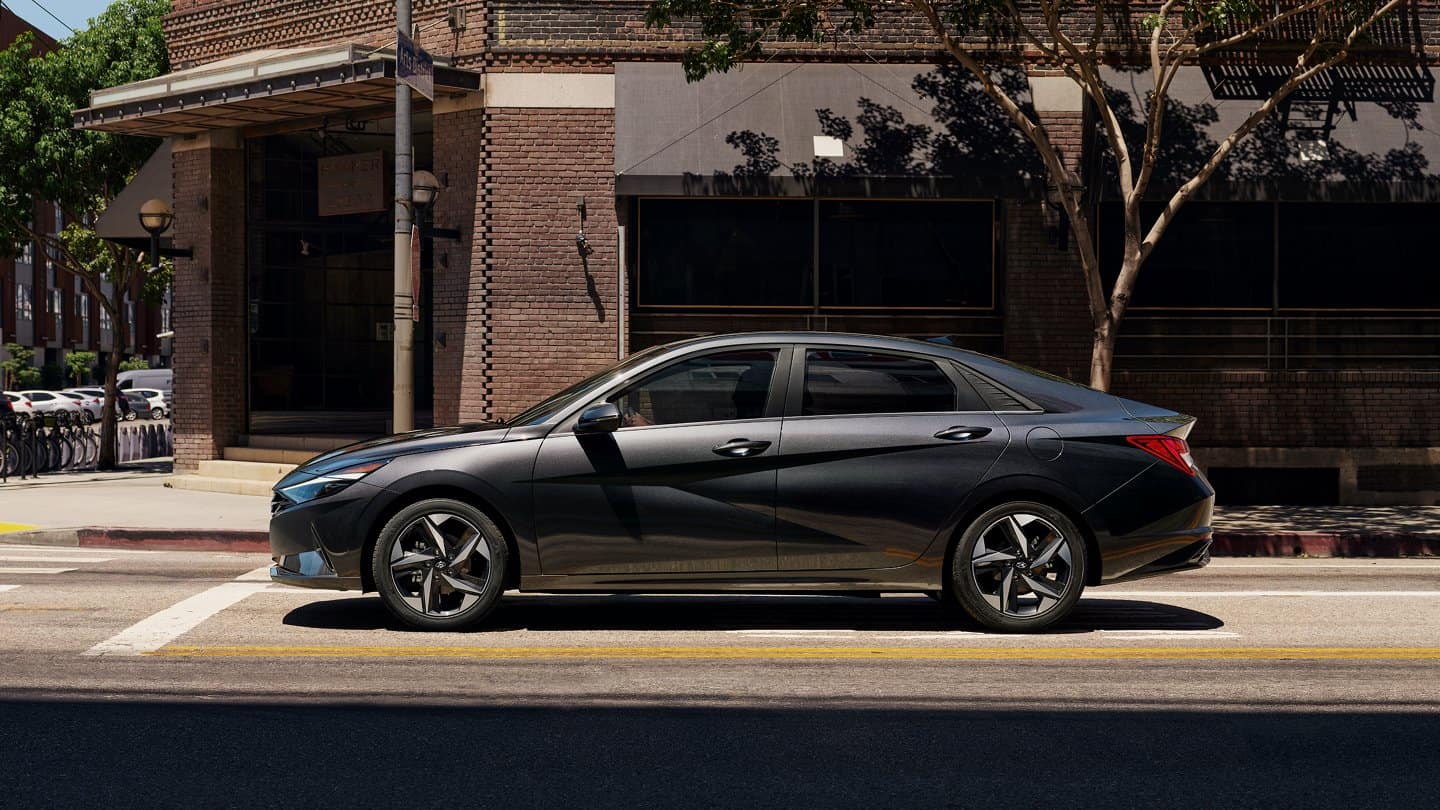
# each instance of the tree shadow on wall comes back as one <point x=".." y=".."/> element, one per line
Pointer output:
<point x="1324" y="139"/>
<point x="966" y="135"/>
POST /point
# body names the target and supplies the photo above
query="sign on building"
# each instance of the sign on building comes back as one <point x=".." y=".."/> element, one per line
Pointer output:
<point x="352" y="184"/>
<point x="414" y="66"/>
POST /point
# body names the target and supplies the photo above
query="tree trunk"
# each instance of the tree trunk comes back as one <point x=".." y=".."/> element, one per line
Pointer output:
<point x="107" y="413"/>
<point x="1102" y="354"/>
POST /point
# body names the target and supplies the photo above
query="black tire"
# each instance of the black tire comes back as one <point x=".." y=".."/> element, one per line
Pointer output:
<point x="451" y="609"/>
<point x="129" y="416"/>
<point x="978" y="579"/>
<point x="157" y="414"/>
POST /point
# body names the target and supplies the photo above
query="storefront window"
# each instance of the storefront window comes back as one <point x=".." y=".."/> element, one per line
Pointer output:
<point x="709" y="253"/>
<point x="1357" y="256"/>
<point x="920" y="254"/>
<point x="1213" y="256"/>
<point x="874" y="254"/>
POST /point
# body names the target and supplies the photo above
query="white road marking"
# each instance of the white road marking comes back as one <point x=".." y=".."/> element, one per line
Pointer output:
<point x="261" y="574"/>
<point x="180" y="618"/>
<point x="1357" y="565"/>
<point x="1122" y="634"/>
<point x="8" y="587"/>
<point x="788" y="632"/>
<point x="52" y="558"/>
<point x="1233" y="594"/>
<point x="35" y="570"/>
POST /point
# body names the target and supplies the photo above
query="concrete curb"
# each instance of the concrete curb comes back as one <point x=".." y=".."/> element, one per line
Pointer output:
<point x="1325" y="544"/>
<point x="1377" y="545"/>
<point x="156" y="539"/>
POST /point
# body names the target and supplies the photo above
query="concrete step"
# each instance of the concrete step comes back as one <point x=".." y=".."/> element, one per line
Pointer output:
<point x="315" y="444"/>
<point x="267" y="472"/>
<point x="269" y="455"/>
<point x="205" y="483"/>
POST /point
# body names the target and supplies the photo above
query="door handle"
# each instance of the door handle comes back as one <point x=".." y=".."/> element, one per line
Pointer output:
<point x="739" y="448"/>
<point x="961" y="433"/>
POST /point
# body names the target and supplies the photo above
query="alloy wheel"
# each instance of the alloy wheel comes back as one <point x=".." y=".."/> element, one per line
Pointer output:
<point x="440" y="564"/>
<point x="1022" y="565"/>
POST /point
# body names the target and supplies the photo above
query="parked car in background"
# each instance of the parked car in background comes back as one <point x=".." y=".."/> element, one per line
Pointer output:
<point x="140" y="407"/>
<point x="160" y="379"/>
<point x="158" y="405"/>
<point x="99" y="393"/>
<point x="50" y="401"/>
<point x="90" y="403"/>
<point x="18" y="403"/>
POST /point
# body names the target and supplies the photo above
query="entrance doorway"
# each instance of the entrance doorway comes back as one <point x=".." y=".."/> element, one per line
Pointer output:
<point x="319" y="245"/>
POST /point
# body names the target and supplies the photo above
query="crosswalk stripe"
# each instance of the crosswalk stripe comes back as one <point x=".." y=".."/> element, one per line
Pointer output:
<point x="8" y="587"/>
<point x="35" y="570"/>
<point x="156" y="631"/>
<point x="52" y="558"/>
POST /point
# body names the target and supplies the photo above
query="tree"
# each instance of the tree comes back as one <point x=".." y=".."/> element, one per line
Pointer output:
<point x="134" y="364"/>
<point x="1304" y="38"/>
<point x="43" y="157"/>
<point x="19" y="369"/>
<point x="79" y="364"/>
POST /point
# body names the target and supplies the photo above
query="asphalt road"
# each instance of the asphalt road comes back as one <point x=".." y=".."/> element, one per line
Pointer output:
<point x="180" y="679"/>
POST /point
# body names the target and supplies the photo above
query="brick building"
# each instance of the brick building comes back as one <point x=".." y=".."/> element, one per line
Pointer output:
<point x="862" y="188"/>
<point x="45" y="307"/>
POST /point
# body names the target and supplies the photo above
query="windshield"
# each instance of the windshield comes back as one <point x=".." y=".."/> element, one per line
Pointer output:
<point x="546" y="410"/>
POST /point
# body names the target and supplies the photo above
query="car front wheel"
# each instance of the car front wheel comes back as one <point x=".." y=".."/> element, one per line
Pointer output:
<point x="1019" y="567"/>
<point x="440" y="564"/>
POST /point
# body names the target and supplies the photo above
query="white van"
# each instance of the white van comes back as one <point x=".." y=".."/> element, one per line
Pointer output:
<point x="161" y="379"/>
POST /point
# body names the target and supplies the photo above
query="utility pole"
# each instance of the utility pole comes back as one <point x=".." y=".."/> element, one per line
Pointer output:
<point x="404" y="335"/>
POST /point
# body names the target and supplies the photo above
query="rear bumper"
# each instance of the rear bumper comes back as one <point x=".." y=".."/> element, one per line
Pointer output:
<point x="1156" y="524"/>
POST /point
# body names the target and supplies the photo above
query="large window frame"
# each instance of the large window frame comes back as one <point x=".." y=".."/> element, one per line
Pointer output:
<point x="815" y="305"/>
<point x="1276" y="263"/>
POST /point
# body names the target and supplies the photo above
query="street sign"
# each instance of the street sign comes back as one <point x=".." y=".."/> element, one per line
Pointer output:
<point x="414" y="66"/>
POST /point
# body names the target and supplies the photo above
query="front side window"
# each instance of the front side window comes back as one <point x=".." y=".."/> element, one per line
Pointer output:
<point x="854" y="382"/>
<point x="711" y="388"/>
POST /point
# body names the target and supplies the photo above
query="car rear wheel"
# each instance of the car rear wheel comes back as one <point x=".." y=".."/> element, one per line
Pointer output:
<point x="157" y="414"/>
<point x="440" y="564"/>
<point x="1019" y="567"/>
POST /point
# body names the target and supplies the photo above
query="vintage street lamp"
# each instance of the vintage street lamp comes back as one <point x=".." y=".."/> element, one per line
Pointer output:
<point x="155" y="218"/>
<point x="424" y="188"/>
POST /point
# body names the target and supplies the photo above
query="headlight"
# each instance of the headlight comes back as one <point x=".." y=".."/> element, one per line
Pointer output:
<point x="330" y="483"/>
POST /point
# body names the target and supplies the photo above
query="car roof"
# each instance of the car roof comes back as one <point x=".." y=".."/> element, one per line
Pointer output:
<point x="881" y="342"/>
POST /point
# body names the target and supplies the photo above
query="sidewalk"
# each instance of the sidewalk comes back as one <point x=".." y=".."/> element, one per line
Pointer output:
<point x="134" y="508"/>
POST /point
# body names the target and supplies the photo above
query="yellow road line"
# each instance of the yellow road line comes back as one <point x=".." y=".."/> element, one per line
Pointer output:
<point x="819" y="653"/>
<point x="15" y="527"/>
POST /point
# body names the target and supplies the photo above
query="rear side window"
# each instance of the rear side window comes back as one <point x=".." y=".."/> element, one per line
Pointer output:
<point x="711" y="388"/>
<point x="851" y="382"/>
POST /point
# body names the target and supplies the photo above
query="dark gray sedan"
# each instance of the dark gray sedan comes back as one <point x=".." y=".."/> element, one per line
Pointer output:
<point x="763" y="463"/>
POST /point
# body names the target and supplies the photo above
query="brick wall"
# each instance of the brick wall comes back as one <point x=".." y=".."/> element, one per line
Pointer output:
<point x="1297" y="408"/>
<point x="551" y="314"/>
<point x="209" y="308"/>
<point x="458" y="298"/>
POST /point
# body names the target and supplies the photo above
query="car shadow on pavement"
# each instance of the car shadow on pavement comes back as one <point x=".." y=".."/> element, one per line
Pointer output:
<point x="651" y="612"/>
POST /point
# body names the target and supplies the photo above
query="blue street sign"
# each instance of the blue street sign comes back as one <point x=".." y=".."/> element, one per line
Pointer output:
<point x="414" y="66"/>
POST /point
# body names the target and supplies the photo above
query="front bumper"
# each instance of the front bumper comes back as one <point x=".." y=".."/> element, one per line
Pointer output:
<point x="310" y="569"/>
<point x="320" y="543"/>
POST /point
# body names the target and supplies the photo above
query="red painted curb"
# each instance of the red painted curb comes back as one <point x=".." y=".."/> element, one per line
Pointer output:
<point x="176" y="539"/>
<point x="1325" y="544"/>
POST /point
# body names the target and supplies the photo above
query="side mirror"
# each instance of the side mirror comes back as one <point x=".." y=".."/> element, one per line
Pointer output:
<point x="602" y="418"/>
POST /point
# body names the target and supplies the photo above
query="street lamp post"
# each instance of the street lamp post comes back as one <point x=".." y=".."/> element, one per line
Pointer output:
<point x="403" y="416"/>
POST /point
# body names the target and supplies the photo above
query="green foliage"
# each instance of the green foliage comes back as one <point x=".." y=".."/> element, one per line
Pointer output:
<point x="18" y="370"/>
<point x="133" y="364"/>
<point x="80" y="364"/>
<point x="42" y="155"/>
<point x="95" y="257"/>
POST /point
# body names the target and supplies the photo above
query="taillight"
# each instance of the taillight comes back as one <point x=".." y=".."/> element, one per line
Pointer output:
<point x="1169" y="449"/>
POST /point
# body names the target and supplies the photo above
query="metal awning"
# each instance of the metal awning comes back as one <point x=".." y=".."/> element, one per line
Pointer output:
<point x="261" y="87"/>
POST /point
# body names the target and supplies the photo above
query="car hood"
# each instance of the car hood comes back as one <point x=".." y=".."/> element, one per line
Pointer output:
<point x="401" y="444"/>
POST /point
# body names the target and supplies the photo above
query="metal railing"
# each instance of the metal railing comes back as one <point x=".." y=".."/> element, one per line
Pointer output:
<point x="1278" y="343"/>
